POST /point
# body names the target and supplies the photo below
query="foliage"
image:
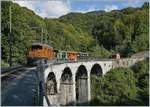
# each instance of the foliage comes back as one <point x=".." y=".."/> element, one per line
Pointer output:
<point x="100" y="52"/>
<point x="122" y="86"/>
<point x="115" y="88"/>
<point x="22" y="34"/>
<point x="4" y="64"/>
<point x="141" y="72"/>
<point x="99" y="33"/>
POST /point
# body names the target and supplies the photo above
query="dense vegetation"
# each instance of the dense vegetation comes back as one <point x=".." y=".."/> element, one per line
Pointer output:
<point x="122" y="86"/>
<point x="99" y="33"/>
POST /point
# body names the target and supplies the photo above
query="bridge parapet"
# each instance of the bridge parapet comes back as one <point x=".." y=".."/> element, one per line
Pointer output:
<point x="67" y="92"/>
<point x="126" y="62"/>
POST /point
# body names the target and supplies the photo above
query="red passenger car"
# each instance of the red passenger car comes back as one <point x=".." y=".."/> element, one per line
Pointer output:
<point x="72" y="56"/>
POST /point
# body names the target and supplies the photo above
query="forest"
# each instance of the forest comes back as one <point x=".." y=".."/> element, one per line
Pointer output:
<point x="99" y="33"/>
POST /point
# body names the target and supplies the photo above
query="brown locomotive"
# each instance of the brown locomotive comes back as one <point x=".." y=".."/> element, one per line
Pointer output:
<point x="40" y="51"/>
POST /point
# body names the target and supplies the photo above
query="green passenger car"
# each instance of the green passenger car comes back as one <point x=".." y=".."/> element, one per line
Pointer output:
<point x="62" y="55"/>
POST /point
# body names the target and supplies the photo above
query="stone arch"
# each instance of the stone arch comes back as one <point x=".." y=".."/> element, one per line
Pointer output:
<point x="66" y="87"/>
<point x="51" y="88"/>
<point x="66" y="75"/>
<point x="96" y="70"/>
<point x="81" y="85"/>
<point x="51" y="84"/>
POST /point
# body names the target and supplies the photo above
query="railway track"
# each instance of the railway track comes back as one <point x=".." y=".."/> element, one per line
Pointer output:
<point x="5" y="72"/>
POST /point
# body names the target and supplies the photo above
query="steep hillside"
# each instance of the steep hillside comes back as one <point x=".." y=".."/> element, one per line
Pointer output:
<point x="124" y="31"/>
<point x="99" y="33"/>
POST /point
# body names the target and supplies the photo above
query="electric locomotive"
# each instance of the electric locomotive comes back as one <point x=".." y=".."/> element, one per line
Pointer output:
<point x="40" y="51"/>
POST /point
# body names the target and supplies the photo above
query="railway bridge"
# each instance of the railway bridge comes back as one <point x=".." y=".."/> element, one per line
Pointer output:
<point x="69" y="83"/>
<point x="57" y="83"/>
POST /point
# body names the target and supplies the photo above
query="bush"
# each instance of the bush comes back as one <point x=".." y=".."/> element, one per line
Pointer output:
<point x="115" y="88"/>
<point x="4" y="64"/>
<point x="141" y="72"/>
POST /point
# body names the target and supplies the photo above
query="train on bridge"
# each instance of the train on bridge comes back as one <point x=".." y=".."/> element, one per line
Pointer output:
<point x="46" y="52"/>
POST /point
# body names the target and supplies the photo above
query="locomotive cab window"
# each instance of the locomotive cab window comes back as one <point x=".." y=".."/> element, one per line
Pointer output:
<point x="36" y="47"/>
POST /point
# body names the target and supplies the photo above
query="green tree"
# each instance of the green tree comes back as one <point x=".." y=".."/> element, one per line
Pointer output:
<point x="117" y="87"/>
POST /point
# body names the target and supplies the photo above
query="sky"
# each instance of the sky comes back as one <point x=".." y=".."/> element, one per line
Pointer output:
<point x="57" y="8"/>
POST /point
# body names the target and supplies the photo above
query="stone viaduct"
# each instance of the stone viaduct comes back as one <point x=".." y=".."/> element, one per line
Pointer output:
<point x="69" y="83"/>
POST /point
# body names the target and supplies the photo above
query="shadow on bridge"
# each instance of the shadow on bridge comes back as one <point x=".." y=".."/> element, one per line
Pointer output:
<point x="19" y="89"/>
<point x="96" y="102"/>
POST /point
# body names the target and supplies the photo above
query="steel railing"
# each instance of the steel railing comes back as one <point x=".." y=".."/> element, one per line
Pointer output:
<point x="7" y="71"/>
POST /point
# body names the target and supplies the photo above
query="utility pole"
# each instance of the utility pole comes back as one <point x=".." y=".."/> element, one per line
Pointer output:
<point x="46" y="37"/>
<point x="10" y="38"/>
<point x="41" y="34"/>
